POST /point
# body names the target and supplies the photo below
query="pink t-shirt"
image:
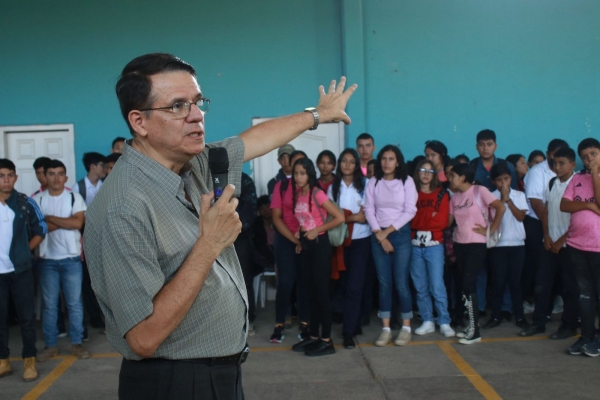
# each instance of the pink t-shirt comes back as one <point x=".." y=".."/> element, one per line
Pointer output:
<point x="310" y="218"/>
<point x="467" y="213"/>
<point x="442" y="176"/>
<point x="364" y="170"/>
<point x="584" y="228"/>
<point x="285" y="204"/>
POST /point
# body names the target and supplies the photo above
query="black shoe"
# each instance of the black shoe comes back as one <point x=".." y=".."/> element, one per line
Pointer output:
<point x="482" y="314"/>
<point x="321" y="348"/>
<point x="277" y="335"/>
<point x="302" y="345"/>
<point x="575" y="350"/>
<point x="357" y="331"/>
<point x="492" y="323"/>
<point x="563" y="333"/>
<point x="523" y="324"/>
<point x="532" y="330"/>
<point x="506" y="315"/>
<point x="349" y="341"/>
<point x="303" y="331"/>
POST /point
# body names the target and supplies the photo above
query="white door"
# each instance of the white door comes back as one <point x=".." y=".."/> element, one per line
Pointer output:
<point x="328" y="136"/>
<point x="23" y="144"/>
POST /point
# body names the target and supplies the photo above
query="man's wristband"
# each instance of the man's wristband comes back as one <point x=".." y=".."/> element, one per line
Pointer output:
<point x="315" y="114"/>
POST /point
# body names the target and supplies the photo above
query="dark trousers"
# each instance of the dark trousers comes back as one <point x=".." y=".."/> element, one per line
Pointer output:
<point x="534" y="245"/>
<point x="243" y="248"/>
<point x="90" y="303"/>
<point x="157" y="378"/>
<point x="586" y="265"/>
<point x="469" y="259"/>
<point x="356" y="259"/>
<point x="555" y="267"/>
<point x="369" y="294"/>
<point x="506" y="268"/>
<point x="22" y="290"/>
<point x="315" y="262"/>
<point x="288" y="275"/>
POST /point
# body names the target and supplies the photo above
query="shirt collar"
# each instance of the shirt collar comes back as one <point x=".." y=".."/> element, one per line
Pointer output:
<point x="160" y="175"/>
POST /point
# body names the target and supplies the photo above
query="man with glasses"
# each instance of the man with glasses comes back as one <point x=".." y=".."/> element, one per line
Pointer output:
<point x="160" y="255"/>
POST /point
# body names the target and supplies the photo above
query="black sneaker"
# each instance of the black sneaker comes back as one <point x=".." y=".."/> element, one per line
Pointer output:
<point x="357" y="331"/>
<point x="321" y="348"/>
<point x="532" y="330"/>
<point x="522" y="323"/>
<point x="492" y="323"/>
<point x="591" y="349"/>
<point x="563" y="333"/>
<point x="302" y="345"/>
<point x="349" y="341"/>
<point x="303" y="331"/>
<point x="576" y="350"/>
<point x="277" y="335"/>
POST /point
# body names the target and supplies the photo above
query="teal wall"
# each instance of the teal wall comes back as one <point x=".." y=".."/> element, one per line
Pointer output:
<point x="427" y="69"/>
<point x="440" y="69"/>
<point x="61" y="59"/>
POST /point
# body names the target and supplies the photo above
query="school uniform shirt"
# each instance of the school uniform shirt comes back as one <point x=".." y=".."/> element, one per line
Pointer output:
<point x="468" y="214"/>
<point x="310" y="216"/>
<point x="390" y="203"/>
<point x="285" y="203"/>
<point x="90" y="190"/>
<point x="536" y="182"/>
<point x="350" y="199"/>
<point x="558" y="221"/>
<point x="584" y="228"/>
<point x="61" y="243"/>
<point x="513" y="231"/>
<point x="7" y="218"/>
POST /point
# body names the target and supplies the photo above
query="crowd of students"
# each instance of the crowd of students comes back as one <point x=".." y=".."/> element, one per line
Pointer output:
<point x="443" y="236"/>
<point x="437" y="235"/>
<point x="40" y="247"/>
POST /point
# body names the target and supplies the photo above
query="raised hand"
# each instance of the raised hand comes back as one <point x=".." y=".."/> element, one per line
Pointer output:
<point x="332" y="104"/>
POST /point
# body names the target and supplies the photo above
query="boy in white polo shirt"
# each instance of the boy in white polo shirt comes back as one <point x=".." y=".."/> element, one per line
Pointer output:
<point x="507" y="258"/>
<point x="60" y="259"/>
<point x="554" y="259"/>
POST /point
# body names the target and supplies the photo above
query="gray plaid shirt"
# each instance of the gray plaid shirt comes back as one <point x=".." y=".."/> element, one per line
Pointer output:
<point x="139" y="230"/>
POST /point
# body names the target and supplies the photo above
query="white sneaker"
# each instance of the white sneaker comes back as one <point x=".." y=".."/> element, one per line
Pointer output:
<point x="426" y="327"/>
<point x="446" y="330"/>
<point x="384" y="338"/>
<point x="404" y="338"/>
<point x="528" y="308"/>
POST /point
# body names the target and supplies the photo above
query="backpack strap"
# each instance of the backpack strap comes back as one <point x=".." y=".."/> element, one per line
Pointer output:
<point x="72" y="200"/>
<point x="82" y="188"/>
<point x="314" y="196"/>
<point x="551" y="183"/>
<point x="440" y="197"/>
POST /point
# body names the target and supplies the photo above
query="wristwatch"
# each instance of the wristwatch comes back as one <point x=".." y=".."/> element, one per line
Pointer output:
<point x="315" y="114"/>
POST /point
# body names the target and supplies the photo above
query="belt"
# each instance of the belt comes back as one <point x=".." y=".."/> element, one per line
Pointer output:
<point x="235" y="359"/>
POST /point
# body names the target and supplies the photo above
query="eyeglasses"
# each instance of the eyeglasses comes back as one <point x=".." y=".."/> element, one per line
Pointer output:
<point x="426" y="171"/>
<point x="182" y="109"/>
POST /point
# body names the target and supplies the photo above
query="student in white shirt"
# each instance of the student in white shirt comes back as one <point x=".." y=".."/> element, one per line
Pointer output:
<point x="555" y="258"/>
<point x="509" y="254"/>
<point x="89" y="186"/>
<point x="348" y="192"/>
<point x="60" y="259"/>
<point x="536" y="182"/>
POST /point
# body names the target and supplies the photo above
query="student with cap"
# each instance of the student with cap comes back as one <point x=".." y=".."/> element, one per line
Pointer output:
<point x="283" y="158"/>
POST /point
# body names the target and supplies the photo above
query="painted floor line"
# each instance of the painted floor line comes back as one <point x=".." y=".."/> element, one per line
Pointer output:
<point x="476" y="380"/>
<point x="45" y="383"/>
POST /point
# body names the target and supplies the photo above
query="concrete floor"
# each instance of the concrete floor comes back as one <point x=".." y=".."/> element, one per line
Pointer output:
<point x="503" y="365"/>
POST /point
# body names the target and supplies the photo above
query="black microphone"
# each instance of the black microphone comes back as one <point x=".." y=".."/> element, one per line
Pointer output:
<point x="218" y="163"/>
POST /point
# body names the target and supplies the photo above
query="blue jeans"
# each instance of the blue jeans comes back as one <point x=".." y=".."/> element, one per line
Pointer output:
<point x="427" y="272"/>
<point x="394" y="269"/>
<point x="54" y="274"/>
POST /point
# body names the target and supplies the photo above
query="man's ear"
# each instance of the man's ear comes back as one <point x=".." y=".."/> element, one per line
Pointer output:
<point x="137" y="120"/>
